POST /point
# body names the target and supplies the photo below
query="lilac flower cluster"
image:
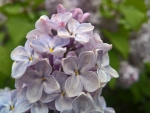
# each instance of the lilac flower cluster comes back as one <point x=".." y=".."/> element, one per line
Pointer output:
<point x="62" y="68"/>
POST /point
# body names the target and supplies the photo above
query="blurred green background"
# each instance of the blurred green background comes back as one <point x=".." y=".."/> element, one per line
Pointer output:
<point x="119" y="22"/>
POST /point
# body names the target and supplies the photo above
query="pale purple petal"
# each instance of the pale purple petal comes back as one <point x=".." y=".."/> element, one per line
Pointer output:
<point x="97" y="38"/>
<point x="39" y="46"/>
<point x="85" y="17"/>
<point x="34" y="91"/>
<point x="39" y="107"/>
<point x="61" y="78"/>
<point x="22" y="106"/>
<point x="103" y="46"/>
<point x="112" y="72"/>
<point x="73" y="85"/>
<point x="83" y="38"/>
<point x="65" y="17"/>
<point x="58" y="51"/>
<point x="73" y="26"/>
<point x="102" y="102"/>
<point x="33" y="34"/>
<point x="95" y="112"/>
<point x="70" y="64"/>
<point x="48" y="97"/>
<point x="42" y="25"/>
<point x="63" y="102"/>
<point x="19" y="54"/>
<point x="56" y="17"/>
<point x="59" y="42"/>
<point x="82" y="104"/>
<point x="103" y="76"/>
<point x="68" y="111"/>
<point x="18" y="69"/>
<point x="61" y="9"/>
<point x="18" y="83"/>
<point x="63" y="33"/>
<point x="99" y="57"/>
<point x="90" y="81"/>
<point x="105" y="59"/>
<point x="51" y="105"/>
<point x="84" y="28"/>
<point x="43" y="67"/>
<point x="86" y="60"/>
<point x="30" y="76"/>
<point x="50" y="85"/>
<point x="54" y="25"/>
<point x="109" y="110"/>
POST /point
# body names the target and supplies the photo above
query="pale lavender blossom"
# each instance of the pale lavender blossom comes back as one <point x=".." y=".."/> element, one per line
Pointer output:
<point x="38" y="80"/>
<point x="77" y="13"/>
<point x="81" y="76"/>
<point x="11" y="102"/>
<point x="42" y="28"/>
<point x="53" y="46"/>
<point x="23" y="57"/>
<point x="59" y="20"/>
<point x="76" y="30"/>
<point x="95" y="43"/>
<point x="61" y="69"/>
<point x="81" y="104"/>
<point x="105" y="71"/>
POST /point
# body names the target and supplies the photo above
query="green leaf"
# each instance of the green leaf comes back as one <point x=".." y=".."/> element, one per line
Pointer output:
<point x="18" y="27"/>
<point x="2" y="36"/>
<point x="112" y="83"/>
<point x="140" y="5"/>
<point x="133" y="16"/>
<point x="119" y="40"/>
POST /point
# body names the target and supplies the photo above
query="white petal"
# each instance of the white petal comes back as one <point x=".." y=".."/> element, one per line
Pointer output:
<point x="84" y="27"/>
<point x="82" y="38"/>
<point x="34" y="91"/>
<point x="70" y="64"/>
<point x="73" y="85"/>
<point x="81" y="104"/>
<point x="19" y="54"/>
<point x="43" y="67"/>
<point x="109" y="110"/>
<point x="59" y="42"/>
<point x="58" y="51"/>
<point x="73" y="26"/>
<point x="112" y="72"/>
<point x="103" y="76"/>
<point x="50" y="84"/>
<point x="105" y="59"/>
<point x="63" y="103"/>
<point x="18" y="69"/>
<point x="86" y="60"/>
<point x="63" y="33"/>
<point x="39" y="108"/>
<point x="90" y="81"/>
<point x="39" y="46"/>
<point x="65" y="17"/>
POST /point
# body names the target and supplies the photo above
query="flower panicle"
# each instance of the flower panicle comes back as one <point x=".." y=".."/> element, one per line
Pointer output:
<point x="63" y="67"/>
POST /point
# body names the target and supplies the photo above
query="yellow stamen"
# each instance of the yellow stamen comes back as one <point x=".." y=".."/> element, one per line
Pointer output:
<point x="76" y="72"/>
<point x="43" y="79"/>
<point x="30" y="58"/>
<point x="51" y="50"/>
<point x="11" y="108"/>
<point x="63" y="93"/>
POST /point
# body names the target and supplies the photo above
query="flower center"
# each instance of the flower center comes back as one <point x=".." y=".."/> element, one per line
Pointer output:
<point x="11" y="108"/>
<point x="76" y="72"/>
<point x="51" y="50"/>
<point x="30" y="58"/>
<point x="63" y="93"/>
<point x="43" y="79"/>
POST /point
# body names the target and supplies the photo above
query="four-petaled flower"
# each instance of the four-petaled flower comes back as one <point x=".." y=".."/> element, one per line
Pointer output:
<point x="77" y="31"/>
<point x="81" y="76"/>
